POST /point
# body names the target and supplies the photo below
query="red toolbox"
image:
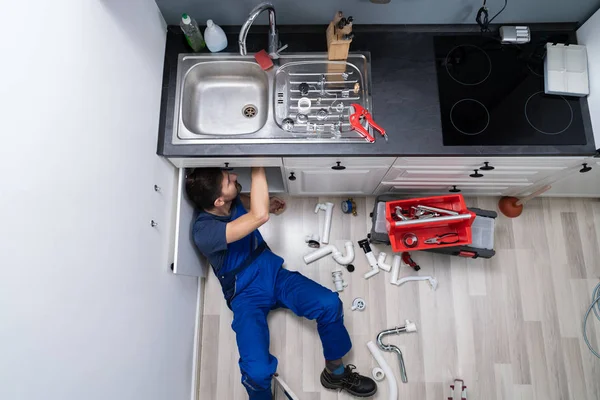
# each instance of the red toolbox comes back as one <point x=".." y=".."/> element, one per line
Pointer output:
<point x="424" y="229"/>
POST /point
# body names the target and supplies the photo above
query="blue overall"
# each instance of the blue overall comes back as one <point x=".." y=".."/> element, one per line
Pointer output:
<point x="253" y="283"/>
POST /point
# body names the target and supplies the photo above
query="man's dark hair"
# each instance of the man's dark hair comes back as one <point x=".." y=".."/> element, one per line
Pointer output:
<point x="203" y="186"/>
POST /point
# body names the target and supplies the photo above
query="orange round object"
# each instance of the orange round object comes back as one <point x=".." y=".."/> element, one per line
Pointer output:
<point x="508" y="206"/>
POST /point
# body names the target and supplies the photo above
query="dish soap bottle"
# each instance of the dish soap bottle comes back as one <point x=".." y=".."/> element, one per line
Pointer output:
<point x="215" y="37"/>
<point x="190" y="29"/>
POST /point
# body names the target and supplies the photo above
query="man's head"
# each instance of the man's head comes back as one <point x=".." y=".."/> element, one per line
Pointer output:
<point x="211" y="188"/>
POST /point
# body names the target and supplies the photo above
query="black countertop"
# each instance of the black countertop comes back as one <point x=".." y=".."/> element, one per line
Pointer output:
<point x="405" y="96"/>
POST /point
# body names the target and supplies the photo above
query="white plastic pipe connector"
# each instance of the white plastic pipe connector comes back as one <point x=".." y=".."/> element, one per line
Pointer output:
<point x="344" y="259"/>
<point x="396" y="262"/>
<point x="378" y="374"/>
<point x="373" y="263"/>
<point x="328" y="208"/>
<point x="381" y="262"/>
<point x="410" y="326"/>
<point x="319" y="253"/>
<point x="337" y="255"/>
<point x="338" y="280"/>
<point x="392" y="385"/>
<point x="358" y="304"/>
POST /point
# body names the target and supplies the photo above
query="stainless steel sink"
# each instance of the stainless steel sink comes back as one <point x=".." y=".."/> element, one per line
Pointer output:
<point x="224" y="97"/>
<point x="228" y="98"/>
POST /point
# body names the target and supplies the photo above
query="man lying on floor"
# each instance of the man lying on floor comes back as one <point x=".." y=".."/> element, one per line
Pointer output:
<point x="254" y="282"/>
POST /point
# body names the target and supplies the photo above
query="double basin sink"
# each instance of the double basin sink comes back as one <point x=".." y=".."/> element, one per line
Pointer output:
<point x="229" y="98"/>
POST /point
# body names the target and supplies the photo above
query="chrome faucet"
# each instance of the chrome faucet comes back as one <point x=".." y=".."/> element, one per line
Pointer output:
<point x="273" y="35"/>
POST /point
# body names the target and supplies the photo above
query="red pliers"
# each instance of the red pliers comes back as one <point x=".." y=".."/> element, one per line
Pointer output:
<point x="356" y="119"/>
<point x="446" y="238"/>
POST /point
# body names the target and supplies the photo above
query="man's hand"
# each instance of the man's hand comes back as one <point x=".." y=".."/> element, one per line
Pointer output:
<point x="276" y="205"/>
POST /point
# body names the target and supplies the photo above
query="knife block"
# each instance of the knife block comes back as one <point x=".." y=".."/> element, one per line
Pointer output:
<point x="337" y="48"/>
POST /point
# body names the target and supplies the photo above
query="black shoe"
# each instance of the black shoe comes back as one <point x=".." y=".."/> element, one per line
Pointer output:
<point x="351" y="382"/>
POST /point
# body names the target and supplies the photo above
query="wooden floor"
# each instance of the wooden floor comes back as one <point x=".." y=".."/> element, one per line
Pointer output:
<point x="509" y="326"/>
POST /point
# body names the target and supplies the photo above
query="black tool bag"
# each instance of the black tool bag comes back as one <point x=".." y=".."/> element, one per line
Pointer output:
<point x="379" y="234"/>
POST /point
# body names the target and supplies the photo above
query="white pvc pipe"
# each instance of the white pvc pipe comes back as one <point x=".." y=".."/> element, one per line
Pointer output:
<point x="371" y="273"/>
<point x="392" y="385"/>
<point x="396" y="268"/>
<point x="373" y="263"/>
<point x="328" y="208"/>
<point x="348" y="258"/>
<point x="319" y="253"/>
<point x="381" y="262"/>
<point x="337" y="255"/>
<point x="432" y="281"/>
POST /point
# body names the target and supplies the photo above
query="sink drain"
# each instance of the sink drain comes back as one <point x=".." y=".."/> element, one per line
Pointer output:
<point x="249" y="111"/>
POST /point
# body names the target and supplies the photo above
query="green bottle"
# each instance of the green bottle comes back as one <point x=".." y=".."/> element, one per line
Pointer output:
<point x="192" y="33"/>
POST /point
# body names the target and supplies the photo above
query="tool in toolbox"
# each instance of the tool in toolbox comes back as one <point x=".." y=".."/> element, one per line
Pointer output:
<point x="410" y="239"/>
<point x="446" y="238"/>
<point x="400" y="215"/>
<point x="447" y="218"/>
<point x="421" y="212"/>
<point x="359" y="114"/>
<point x="429" y="217"/>
<point x="436" y="210"/>
<point x="482" y="228"/>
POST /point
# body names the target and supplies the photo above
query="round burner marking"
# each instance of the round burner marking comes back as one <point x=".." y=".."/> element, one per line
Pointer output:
<point x="468" y="65"/>
<point x="536" y="68"/>
<point x="471" y="115"/>
<point x="557" y="112"/>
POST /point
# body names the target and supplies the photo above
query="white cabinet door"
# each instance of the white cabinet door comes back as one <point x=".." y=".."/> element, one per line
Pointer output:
<point x="226" y="162"/>
<point x="479" y="162"/>
<point x="322" y="181"/>
<point x="186" y="259"/>
<point x="471" y="175"/>
<point x="579" y="183"/>
<point x="433" y="188"/>
<point x="524" y="169"/>
<point x="335" y="176"/>
<point x="328" y="162"/>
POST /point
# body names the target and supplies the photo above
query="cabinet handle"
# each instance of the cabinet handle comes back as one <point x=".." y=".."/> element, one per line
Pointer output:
<point x="227" y="167"/>
<point x="338" y="167"/>
<point x="454" y="189"/>
<point x="487" y="167"/>
<point x="585" y="168"/>
<point x="292" y="177"/>
<point x="476" y="174"/>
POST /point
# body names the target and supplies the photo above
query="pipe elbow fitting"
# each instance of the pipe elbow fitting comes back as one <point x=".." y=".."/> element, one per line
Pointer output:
<point x="348" y="258"/>
<point x="381" y="262"/>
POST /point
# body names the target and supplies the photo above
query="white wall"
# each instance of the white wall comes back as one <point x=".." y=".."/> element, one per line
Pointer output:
<point x="88" y="307"/>
<point x="589" y="34"/>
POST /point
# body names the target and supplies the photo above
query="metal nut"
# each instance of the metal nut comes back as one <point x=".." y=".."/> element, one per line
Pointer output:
<point x="288" y="124"/>
<point x="322" y="114"/>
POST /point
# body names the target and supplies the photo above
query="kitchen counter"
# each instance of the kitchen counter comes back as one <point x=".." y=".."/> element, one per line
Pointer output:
<point x="405" y="96"/>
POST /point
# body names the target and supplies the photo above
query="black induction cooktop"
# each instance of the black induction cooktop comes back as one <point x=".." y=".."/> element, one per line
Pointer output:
<point x="493" y="94"/>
